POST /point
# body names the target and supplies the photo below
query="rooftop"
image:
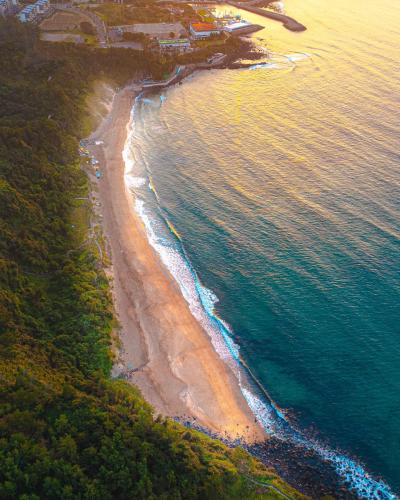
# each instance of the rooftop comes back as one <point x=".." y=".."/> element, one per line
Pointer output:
<point x="28" y="8"/>
<point x="204" y="27"/>
<point x="177" y="41"/>
<point x="159" y="28"/>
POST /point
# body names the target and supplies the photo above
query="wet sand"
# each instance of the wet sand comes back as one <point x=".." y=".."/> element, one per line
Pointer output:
<point x="164" y="350"/>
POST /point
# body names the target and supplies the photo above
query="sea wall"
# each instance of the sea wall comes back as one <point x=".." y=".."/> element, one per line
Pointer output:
<point x="289" y="23"/>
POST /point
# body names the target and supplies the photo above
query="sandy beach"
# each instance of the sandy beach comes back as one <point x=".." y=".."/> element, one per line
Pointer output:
<point x="164" y="350"/>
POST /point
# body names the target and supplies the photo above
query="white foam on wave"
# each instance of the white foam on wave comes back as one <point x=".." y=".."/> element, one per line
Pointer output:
<point x="298" y="56"/>
<point x="134" y="182"/>
<point x="281" y="61"/>
<point x="265" y="415"/>
<point x="126" y="152"/>
<point x="356" y="476"/>
<point x="202" y="302"/>
<point x="270" y="65"/>
<point x="351" y="472"/>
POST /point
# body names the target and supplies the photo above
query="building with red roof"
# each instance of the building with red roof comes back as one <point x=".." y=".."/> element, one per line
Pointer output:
<point x="203" y="30"/>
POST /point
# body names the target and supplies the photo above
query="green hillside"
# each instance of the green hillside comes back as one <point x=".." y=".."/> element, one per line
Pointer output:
<point x="66" y="429"/>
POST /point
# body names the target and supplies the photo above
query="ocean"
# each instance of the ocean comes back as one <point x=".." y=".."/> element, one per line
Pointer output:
<point x="272" y="194"/>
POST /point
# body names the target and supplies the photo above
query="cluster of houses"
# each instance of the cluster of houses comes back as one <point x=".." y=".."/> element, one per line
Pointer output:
<point x="28" y="13"/>
<point x="174" y="45"/>
<point x="165" y="37"/>
<point x="204" y="30"/>
<point x="8" y="7"/>
<point x="168" y="37"/>
<point x="32" y="11"/>
<point x="198" y="31"/>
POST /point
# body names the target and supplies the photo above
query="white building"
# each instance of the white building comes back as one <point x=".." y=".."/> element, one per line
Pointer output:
<point x="154" y="30"/>
<point x="203" y="30"/>
<point x="42" y="6"/>
<point x="30" y="12"/>
<point x="3" y="8"/>
<point x="174" y="45"/>
<point x="8" y="7"/>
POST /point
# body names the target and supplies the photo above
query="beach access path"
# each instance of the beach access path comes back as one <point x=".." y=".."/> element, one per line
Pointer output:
<point x="170" y="357"/>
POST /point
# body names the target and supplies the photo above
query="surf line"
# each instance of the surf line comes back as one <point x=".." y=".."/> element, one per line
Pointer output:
<point x="264" y="391"/>
<point x="348" y="470"/>
<point x="262" y="405"/>
<point x="268" y="413"/>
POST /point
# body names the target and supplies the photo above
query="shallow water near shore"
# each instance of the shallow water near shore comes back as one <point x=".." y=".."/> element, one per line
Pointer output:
<point x="272" y="195"/>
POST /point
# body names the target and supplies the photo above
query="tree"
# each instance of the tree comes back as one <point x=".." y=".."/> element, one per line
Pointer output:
<point x="134" y="37"/>
<point x="67" y="430"/>
<point x="87" y="28"/>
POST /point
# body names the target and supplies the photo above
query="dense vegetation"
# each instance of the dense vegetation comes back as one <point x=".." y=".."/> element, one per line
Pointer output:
<point x="116" y="14"/>
<point x="147" y="11"/>
<point x="233" y="47"/>
<point x="66" y="429"/>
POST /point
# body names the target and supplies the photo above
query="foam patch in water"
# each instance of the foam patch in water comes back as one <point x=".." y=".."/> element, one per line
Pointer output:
<point x="134" y="182"/>
<point x="201" y="300"/>
<point x="281" y="61"/>
<point x="298" y="56"/>
<point x="264" y="414"/>
<point x="268" y="66"/>
<point x="351" y="472"/>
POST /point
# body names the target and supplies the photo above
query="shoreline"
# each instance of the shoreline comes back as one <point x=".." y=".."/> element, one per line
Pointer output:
<point x="164" y="350"/>
<point x="173" y="370"/>
<point x="150" y="367"/>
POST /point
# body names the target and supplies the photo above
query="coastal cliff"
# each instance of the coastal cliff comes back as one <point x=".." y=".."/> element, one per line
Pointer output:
<point x="67" y="429"/>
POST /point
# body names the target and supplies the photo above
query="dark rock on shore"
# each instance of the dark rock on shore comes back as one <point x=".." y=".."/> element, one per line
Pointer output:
<point x="302" y="469"/>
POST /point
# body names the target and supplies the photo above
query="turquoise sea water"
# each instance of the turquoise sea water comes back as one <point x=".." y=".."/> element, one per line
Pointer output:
<point x="281" y="187"/>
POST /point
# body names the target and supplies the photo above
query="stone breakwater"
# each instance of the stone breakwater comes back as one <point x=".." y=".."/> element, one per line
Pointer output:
<point x="289" y="23"/>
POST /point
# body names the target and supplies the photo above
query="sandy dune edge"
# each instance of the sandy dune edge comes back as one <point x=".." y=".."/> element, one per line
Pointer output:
<point x="176" y="366"/>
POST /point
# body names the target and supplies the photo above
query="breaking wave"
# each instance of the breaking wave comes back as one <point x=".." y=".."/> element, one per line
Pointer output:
<point x="277" y="61"/>
<point x="167" y="242"/>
